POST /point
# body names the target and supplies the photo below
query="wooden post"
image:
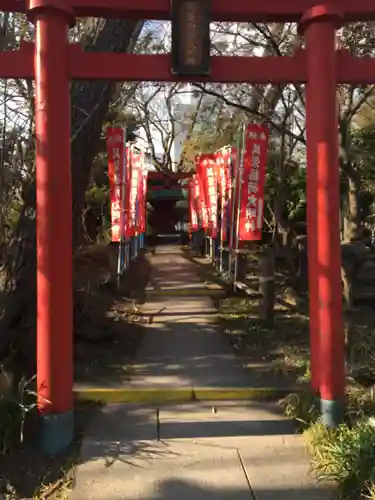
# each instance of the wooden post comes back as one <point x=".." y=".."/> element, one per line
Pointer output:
<point x="241" y="266"/>
<point x="267" y="286"/>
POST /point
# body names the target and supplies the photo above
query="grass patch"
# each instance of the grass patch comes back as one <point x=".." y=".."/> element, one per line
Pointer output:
<point x="346" y="457"/>
<point x="282" y="349"/>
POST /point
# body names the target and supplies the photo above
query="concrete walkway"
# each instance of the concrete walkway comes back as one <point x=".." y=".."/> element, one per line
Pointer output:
<point x="183" y="348"/>
<point x="199" y="450"/>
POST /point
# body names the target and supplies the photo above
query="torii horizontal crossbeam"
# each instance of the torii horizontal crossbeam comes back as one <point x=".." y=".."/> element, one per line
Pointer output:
<point x="225" y="69"/>
<point x="223" y="10"/>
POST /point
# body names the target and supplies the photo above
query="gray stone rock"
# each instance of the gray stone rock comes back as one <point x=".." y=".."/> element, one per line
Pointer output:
<point x="363" y="294"/>
<point x="366" y="274"/>
<point x="353" y="255"/>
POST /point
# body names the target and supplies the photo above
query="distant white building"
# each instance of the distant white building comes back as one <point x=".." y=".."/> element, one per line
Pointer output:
<point x="184" y="106"/>
<point x="140" y="145"/>
<point x="233" y="40"/>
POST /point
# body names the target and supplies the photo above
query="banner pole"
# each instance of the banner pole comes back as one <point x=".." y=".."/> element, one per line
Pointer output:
<point x="240" y="176"/>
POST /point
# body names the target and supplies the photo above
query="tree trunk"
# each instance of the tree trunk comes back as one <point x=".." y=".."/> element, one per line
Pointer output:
<point x="267" y="287"/>
<point x="352" y="221"/>
<point x="282" y="225"/>
<point x="90" y="102"/>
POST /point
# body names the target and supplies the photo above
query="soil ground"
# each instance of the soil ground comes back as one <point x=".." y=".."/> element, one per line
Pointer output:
<point x="281" y="350"/>
<point x="111" y="329"/>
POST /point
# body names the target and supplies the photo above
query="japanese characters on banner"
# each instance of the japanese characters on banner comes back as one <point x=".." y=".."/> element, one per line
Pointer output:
<point x="212" y="196"/>
<point x="232" y="208"/>
<point x="224" y="181"/>
<point x="136" y="161"/>
<point x="116" y="172"/>
<point x="140" y="199"/>
<point x="206" y="170"/>
<point x="253" y="180"/>
<point x="215" y="179"/>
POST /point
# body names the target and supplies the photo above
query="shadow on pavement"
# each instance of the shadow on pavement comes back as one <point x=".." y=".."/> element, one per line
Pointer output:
<point x="182" y="490"/>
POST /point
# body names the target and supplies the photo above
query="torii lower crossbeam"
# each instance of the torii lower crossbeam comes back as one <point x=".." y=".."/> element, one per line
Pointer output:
<point x="225" y="69"/>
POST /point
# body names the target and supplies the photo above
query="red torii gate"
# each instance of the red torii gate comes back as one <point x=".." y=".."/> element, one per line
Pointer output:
<point x="53" y="62"/>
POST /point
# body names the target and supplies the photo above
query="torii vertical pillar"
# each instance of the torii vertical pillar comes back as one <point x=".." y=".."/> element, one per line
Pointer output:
<point x="319" y="26"/>
<point x="54" y="224"/>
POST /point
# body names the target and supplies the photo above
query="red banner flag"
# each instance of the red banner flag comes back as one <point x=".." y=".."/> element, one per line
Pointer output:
<point x="232" y="195"/>
<point x="116" y="173"/>
<point x="206" y="170"/>
<point x="253" y="180"/>
<point x="200" y="196"/>
<point x="140" y="200"/>
<point x="223" y="158"/>
<point x="135" y="167"/>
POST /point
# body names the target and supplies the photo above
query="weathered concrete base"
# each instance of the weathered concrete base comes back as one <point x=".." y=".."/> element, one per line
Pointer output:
<point x="56" y="432"/>
<point x="332" y="412"/>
